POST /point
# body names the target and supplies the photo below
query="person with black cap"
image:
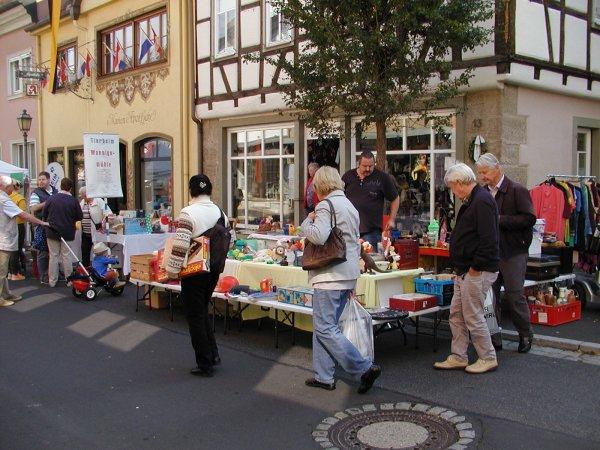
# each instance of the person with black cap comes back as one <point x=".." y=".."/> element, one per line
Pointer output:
<point x="196" y="291"/>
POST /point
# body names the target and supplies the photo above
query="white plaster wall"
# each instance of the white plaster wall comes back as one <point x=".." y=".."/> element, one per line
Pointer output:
<point x="269" y="71"/>
<point x="550" y="131"/>
<point x="203" y="79"/>
<point x="595" y="53"/>
<point x="203" y="9"/>
<point x="203" y="39"/>
<point x="250" y="27"/>
<point x="219" y="86"/>
<point x="231" y="72"/>
<point x="579" y="5"/>
<point x="250" y="75"/>
<point x="484" y="50"/>
<point x="575" y="42"/>
<point x="555" y="33"/>
<point x="247" y="105"/>
<point x="530" y="30"/>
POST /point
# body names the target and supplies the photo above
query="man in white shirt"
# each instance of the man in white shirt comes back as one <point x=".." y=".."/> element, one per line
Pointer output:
<point x="9" y="236"/>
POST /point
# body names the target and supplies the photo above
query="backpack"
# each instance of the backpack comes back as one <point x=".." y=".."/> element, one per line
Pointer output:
<point x="220" y="240"/>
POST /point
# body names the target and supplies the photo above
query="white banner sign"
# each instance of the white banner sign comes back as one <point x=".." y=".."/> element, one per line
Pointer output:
<point x="56" y="174"/>
<point x="102" y="165"/>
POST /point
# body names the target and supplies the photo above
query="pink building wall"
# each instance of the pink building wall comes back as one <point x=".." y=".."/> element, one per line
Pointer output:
<point x="13" y="44"/>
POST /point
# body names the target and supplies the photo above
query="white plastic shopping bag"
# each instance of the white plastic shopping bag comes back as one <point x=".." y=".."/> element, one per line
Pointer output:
<point x="489" y="313"/>
<point x="356" y="324"/>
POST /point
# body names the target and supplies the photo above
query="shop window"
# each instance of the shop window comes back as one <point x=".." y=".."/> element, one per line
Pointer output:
<point x="66" y="65"/>
<point x="56" y="156"/>
<point x="134" y="43"/>
<point x="155" y="184"/>
<point x="261" y="164"/>
<point x="21" y="62"/>
<point x="418" y="153"/>
<point x="279" y="30"/>
<point x="76" y="170"/>
<point x="225" y="27"/>
<point x="117" y="204"/>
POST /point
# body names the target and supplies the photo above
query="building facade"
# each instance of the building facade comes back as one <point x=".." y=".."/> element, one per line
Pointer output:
<point x="534" y="98"/>
<point x="123" y="67"/>
<point x="17" y="52"/>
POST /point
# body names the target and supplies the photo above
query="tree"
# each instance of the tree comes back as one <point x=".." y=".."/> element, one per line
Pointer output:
<point x="377" y="58"/>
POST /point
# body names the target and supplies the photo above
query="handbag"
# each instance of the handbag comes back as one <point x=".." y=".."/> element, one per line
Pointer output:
<point x="39" y="239"/>
<point x="333" y="251"/>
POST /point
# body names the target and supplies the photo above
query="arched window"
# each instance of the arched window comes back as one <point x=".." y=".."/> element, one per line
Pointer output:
<point x="155" y="176"/>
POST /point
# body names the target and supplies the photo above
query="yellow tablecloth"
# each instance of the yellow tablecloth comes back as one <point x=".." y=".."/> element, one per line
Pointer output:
<point x="375" y="288"/>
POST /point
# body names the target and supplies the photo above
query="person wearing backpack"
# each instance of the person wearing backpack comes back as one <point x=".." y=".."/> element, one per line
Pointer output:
<point x="200" y="218"/>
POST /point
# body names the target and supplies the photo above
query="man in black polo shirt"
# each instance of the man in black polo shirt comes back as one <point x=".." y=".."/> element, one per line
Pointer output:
<point x="367" y="188"/>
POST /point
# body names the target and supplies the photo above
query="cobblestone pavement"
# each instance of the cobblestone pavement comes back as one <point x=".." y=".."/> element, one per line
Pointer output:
<point x="550" y="352"/>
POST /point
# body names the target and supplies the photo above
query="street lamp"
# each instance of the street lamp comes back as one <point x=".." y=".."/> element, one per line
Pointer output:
<point x="24" y="121"/>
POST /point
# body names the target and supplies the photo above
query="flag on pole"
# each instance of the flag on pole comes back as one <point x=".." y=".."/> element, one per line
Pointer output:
<point x="55" y="22"/>
<point x="86" y="66"/>
<point x="63" y="71"/>
<point x="156" y="42"/>
<point x="116" y="58"/>
<point x="145" y="48"/>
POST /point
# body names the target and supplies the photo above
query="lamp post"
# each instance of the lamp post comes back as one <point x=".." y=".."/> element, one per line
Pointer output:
<point x="24" y="121"/>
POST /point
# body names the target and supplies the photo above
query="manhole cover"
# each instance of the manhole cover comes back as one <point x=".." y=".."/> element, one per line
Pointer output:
<point x="395" y="426"/>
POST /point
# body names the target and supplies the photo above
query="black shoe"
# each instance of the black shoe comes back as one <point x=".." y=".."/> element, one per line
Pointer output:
<point x="525" y="343"/>
<point x="313" y="382"/>
<point x="368" y="378"/>
<point x="216" y="360"/>
<point x="202" y="372"/>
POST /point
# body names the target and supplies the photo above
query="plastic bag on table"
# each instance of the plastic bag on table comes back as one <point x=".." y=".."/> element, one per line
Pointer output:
<point x="356" y="324"/>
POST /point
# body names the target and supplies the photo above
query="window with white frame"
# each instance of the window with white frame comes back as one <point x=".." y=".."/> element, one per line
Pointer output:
<point x="584" y="151"/>
<point x="18" y="157"/>
<point x="278" y="29"/>
<point x="417" y="156"/>
<point x="261" y="171"/>
<point x="225" y="27"/>
<point x="21" y="62"/>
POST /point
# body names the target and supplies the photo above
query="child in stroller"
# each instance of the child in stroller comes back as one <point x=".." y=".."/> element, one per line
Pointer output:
<point x="101" y="264"/>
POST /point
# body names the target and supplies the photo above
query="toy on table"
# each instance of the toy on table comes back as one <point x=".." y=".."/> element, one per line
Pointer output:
<point x="393" y="258"/>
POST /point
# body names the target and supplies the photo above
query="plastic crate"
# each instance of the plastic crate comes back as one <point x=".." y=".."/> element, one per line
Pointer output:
<point x="555" y="315"/>
<point x="442" y="289"/>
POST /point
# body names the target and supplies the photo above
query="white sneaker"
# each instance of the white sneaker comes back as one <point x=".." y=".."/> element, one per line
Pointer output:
<point x="452" y="362"/>
<point x="483" y="365"/>
<point x="6" y="302"/>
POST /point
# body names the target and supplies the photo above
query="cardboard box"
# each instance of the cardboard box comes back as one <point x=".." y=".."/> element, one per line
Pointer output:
<point x="413" y="301"/>
<point x="140" y="267"/>
<point x="295" y="295"/>
<point x="158" y="300"/>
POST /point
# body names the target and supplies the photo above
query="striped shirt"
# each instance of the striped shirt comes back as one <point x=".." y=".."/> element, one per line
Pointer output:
<point x="86" y="222"/>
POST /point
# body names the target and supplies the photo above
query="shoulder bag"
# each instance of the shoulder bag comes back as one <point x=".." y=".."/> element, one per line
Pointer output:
<point x="331" y="253"/>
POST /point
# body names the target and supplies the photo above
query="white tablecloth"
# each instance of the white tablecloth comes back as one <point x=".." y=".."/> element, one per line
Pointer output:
<point x="134" y="244"/>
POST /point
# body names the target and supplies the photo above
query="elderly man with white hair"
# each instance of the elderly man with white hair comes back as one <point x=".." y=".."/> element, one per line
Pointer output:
<point x="474" y="256"/>
<point x="9" y="236"/>
<point x="517" y="219"/>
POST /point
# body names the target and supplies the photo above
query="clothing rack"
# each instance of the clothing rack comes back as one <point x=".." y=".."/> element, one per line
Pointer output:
<point x="579" y="177"/>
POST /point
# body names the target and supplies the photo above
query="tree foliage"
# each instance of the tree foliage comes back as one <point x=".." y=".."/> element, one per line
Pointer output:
<point x="377" y="58"/>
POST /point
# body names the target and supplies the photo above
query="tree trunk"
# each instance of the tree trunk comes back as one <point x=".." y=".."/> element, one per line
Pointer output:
<point x="381" y="146"/>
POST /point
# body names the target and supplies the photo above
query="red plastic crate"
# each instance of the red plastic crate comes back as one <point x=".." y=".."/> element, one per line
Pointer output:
<point x="413" y="301"/>
<point x="555" y="315"/>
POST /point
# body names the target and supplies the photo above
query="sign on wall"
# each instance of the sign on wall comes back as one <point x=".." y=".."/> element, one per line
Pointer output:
<point x="32" y="89"/>
<point x="102" y="165"/>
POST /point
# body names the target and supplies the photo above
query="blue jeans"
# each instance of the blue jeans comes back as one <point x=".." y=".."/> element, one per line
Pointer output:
<point x="329" y="344"/>
<point x="373" y="237"/>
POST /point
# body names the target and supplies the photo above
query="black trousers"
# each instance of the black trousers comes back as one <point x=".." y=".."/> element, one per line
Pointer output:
<point x="196" y="292"/>
<point x="86" y="247"/>
<point x="17" y="258"/>
<point x="512" y="277"/>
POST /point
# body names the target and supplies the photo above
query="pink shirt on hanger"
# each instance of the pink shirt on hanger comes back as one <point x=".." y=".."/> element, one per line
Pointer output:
<point x="548" y="204"/>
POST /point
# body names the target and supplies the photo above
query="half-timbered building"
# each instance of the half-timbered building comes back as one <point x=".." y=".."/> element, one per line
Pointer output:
<point x="534" y="99"/>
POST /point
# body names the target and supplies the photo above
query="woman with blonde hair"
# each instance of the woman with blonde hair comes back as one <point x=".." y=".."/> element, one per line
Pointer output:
<point x="333" y="286"/>
<point x="17" y="259"/>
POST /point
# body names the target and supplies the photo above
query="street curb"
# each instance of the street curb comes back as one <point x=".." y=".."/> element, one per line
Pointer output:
<point x="573" y="345"/>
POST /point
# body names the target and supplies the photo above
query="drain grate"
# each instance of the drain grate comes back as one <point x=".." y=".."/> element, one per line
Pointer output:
<point x="395" y="426"/>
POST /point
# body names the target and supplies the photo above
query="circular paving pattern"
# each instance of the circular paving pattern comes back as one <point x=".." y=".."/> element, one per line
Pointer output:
<point x="401" y="425"/>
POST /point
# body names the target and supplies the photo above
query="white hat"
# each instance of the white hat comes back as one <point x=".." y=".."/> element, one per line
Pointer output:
<point x="100" y="248"/>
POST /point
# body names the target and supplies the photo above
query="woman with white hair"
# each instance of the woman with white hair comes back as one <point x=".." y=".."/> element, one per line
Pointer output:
<point x="94" y="210"/>
<point x="474" y="255"/>
<point x="9" y="236"/>
<point x="333" y="286"/>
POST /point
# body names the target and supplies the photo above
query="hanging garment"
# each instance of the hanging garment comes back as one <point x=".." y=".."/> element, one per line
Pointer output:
<point x="549" y="204"/>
